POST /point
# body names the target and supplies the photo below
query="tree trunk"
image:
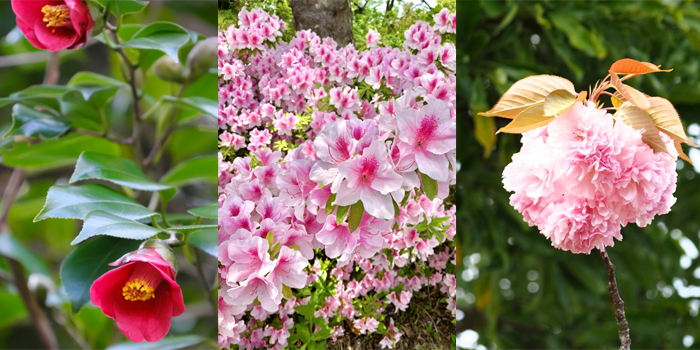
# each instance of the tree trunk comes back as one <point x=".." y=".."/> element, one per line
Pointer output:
<point x="327" y="18"/>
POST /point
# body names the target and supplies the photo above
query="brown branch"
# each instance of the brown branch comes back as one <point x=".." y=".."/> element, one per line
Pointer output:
<point x="43" y="326"/>
<point x="623" y="327"/>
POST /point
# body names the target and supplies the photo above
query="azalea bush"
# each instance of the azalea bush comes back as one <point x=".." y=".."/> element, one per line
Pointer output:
<point x="124" y="150"/>
<point x="335" y="172"/>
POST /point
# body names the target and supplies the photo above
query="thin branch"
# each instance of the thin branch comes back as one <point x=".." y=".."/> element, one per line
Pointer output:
<point x="622" y="325"/>
<point x="200" y="272"/>
<point x="43" y="326"/>
<point x="168" y="129"/>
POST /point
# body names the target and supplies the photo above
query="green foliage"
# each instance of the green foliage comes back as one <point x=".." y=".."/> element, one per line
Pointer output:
<point x="502" y="42"/>
<point x="391" y="18"/>
<point x="117" y="127"/>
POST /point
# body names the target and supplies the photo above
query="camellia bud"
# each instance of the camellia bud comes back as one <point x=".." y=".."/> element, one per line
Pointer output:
<point x="204" y="55"/>
<point x="166" y="69"/>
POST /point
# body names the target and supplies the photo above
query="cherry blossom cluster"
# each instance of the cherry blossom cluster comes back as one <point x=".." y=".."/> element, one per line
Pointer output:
<point x="334" y="164"/>
<point x="586" y="174"/>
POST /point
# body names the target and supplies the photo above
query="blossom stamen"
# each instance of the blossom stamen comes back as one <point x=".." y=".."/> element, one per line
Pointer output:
<point x="56" y="16"/>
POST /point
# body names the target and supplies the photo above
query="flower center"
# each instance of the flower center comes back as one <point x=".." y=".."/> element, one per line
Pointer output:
<point x="56" y="16"/>
<point x="142" y="283"/>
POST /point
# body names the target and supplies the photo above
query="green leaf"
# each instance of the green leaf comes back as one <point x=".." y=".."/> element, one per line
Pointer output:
<point x="12" y="308"/>
<point x="113" y="169"/>
<point x="30" y="122"/>
<point x="75" y="202"/>
<point x="88" y="262"/>
<point x="120" y="7"/>
<point x="36" y="95"/>
<point x="207" y="240"/>
<point x="329" y="204"/>
<point x="356" y="212"/>
<point x="202" y="104"/>
<point x="169" y="343"/>
<point x="56" y="153"/>
<point x="209" y="211"/>
<point x="580" y="37"/>
<point x="286" y="291"/>
<point x="94" y="79"/>
<point x="161" y="36"/>
<point x="397" y="211"/>
<point x="304" y="333"/>
<point x="12" y="248"/>
<point x="99" y="222"/>
<point x="202" y="169"/>
<point x="430" y="186"/>
<point x="305" y="310"/>
<point x="270" y="237"/>
<point x="341" y="214"/>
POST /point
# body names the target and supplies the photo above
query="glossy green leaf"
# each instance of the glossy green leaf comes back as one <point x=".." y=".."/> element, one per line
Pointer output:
<point x="202" y="169"/>
<point x="88" y="262"/>
<point x="36" y="95"/>
<point x="94" y="79"/>
<point x="55" y="153"/>
<point x="120" y="7"/>
<point x="12" y="248"/>
<point x="329" y="204"/>
<point x="430" y="186"/>
<point x="169" y="343"/>
<point x="207" y="240"/>
<point x="75" y="202"/>
<point x="209" y="211"/>
<point x="356" y="212"/>
<point x="120" y="171"/>
<point x="202" y="104"/>
<point x="30" y="122"/>
<point x="162" y="36"/>
<point x="341" y="214"/>
<point x="99" y="222"/>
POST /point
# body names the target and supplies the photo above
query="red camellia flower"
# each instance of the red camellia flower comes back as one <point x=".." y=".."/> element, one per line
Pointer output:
<point x="141" y="295"/>
<point x="54" y="24"/>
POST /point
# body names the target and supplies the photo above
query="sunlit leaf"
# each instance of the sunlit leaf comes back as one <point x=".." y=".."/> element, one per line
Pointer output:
<point x="640" y="120"/>
<point x="530" y="119"/>
<point x="629" y="93"/>
<point x="667" y="119"/>
<point x="162" y="36"/>
<point x="558" y="101"/>
<point x="630" y="66"/>
<point x="357" y="210"/>
<point x="526" y="93"/>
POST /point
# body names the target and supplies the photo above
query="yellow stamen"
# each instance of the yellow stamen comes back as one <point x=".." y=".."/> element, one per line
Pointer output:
<point x="56" y="16"/>
<point x="136" y="290"/>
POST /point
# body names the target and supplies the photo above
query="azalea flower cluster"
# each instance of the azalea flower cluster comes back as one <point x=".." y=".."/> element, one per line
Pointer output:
<point x="332" y="155"/>
<point x="586" y="174"/>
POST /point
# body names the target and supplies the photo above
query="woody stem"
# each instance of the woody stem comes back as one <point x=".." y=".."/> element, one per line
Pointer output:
<point x="622" y="325"/>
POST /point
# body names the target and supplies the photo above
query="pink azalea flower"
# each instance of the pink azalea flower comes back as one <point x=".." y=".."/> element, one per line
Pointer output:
<point x="370" y="179"/>
<point x="428" y="134"/>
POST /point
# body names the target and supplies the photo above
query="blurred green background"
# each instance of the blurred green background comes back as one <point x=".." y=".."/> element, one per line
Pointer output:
<point x="42" y="246"/>
<point x="514" y="289"/>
